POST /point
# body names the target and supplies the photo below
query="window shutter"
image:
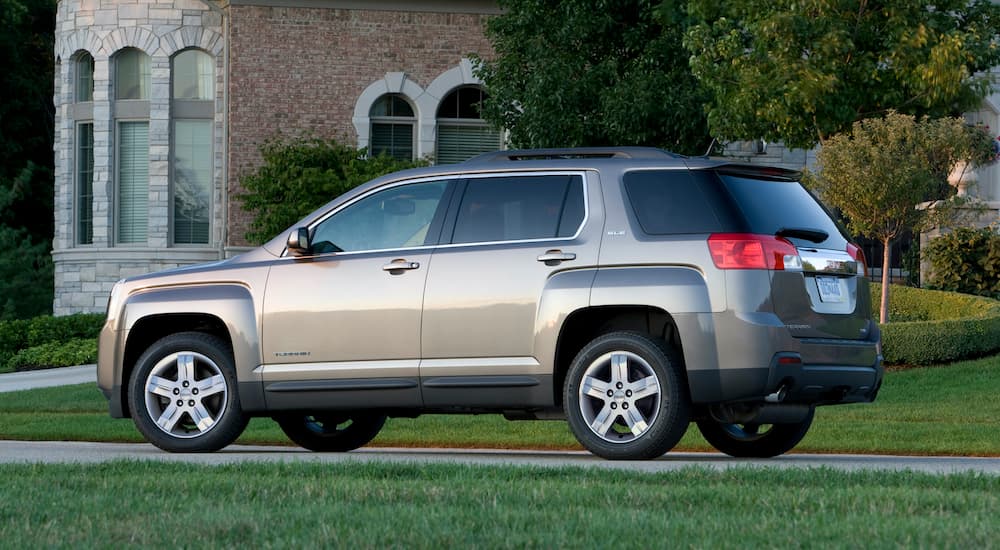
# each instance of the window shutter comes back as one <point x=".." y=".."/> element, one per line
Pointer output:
<point x="133" y="182"/>
<point x="456" y="143"/>
<point x="85" y="183"/>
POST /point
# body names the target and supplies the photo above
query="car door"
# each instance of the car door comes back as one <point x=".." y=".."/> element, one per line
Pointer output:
<point x="341" y="325"/>
<point x="508" y="237"/>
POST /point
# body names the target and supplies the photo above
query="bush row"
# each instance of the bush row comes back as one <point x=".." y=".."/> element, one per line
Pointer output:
<point x="930" y="327"/>
<point x="21" y="334"/>
<point x="78" y="351"/>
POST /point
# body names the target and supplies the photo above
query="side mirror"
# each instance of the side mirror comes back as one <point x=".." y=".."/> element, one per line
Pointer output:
<point x="298" y="242"/>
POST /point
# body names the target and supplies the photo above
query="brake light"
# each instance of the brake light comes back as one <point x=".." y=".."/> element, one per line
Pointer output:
<point x="750" y="251"/>
<point x="859" y="256"/>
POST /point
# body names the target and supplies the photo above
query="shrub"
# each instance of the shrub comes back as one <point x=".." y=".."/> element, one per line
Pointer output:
<point x="933" y="327"/>
<point x="20" y="334"/>
<point x="966" y="260"/>
<point x="79" y="351"/>
<point x="300" y="175"/>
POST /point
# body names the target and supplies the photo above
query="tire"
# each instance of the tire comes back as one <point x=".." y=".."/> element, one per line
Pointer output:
<point x="330" y="432"/>
<point x="183" y="394"/>
<point x="602" y="397"/>
<point x="754" y="440"/>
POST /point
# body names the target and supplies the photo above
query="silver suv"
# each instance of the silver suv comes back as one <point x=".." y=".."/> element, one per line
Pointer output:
<point x="630" y="291"/>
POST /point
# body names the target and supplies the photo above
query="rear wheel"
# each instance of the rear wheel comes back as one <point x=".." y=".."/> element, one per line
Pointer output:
<point x="182" y="394"/>
<point x="754" y="440"/>
<point x="625" y="398"/>
<point x="330" y="432"/>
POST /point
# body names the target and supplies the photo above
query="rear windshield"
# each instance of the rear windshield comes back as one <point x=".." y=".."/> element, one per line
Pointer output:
<point x="772" y="205"/>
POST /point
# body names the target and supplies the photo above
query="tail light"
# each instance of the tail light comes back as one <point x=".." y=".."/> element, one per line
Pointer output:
<point x="750" y="251"/>
<point x="859" y="256"/>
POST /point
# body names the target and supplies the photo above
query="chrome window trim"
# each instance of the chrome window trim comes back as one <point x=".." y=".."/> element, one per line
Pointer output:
<point x="584" y="176"/>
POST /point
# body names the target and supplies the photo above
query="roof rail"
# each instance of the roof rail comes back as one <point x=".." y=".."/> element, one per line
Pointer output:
<point x="576" y="153"/>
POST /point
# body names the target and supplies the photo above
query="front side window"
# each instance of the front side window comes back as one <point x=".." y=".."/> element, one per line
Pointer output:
<point x="84" y="78"/>
<point x="193" y="75"/>
<point x="520" y="208"/>
<point x="132" y="74"/>
<point x="85" y="183"/>
<point x="133" y="181"/>
<point x="192" y="178"/>
<point x="393" y="125"/>
<point x="461" y="131"/>
<point x="400" y="217"/>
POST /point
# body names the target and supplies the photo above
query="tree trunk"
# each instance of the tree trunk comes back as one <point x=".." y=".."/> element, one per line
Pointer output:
<point x="884" y="309"/>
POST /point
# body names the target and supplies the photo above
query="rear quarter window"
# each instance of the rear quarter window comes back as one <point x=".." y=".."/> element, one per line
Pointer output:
<point x="670" y="201"/>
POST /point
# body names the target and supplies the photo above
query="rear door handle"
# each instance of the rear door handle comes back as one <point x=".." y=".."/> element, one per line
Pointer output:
<point x="400" y="265"/>
<point x="554" y="257"/>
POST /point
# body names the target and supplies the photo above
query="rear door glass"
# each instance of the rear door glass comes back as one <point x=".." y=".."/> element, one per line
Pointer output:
<point x="772" y="205"/>
<point x="670" y="201"/>
<point x="515" y="208"/>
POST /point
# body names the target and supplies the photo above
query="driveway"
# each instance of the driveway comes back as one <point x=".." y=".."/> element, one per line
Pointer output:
<point x="48" y="378"/>
<point x="79" y="452"/>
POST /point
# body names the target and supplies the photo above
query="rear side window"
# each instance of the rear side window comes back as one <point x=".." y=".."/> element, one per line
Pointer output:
<point x="669" y="201"/>
<point x="516" y="208"/>
<point x="772" y="205"/>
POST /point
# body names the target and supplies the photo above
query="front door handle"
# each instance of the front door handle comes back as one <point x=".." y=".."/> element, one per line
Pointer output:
<point x="555" y="257"/>
<point x="400" y="265"/>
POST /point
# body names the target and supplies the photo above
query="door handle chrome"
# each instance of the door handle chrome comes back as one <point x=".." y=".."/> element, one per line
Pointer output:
<point x="400" y="265"/>
<point x="554" y="257"/>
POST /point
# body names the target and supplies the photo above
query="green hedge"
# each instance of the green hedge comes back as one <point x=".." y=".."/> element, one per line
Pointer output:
<point x="78" y="351"/>
<point x="19" y="335"/>
<point x="929" y="327"/>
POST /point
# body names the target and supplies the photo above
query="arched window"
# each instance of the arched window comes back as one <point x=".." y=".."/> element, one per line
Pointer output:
<point x="461" y="131"/>
<point x="132" y="77"/>
<point x="132" y="74"/>
<point x="193" y="74"/>
<point x="393" y="127"/>
<point x="84" y="68"/>
<point x="83" y="146"/>
<point x="192" y="158"/>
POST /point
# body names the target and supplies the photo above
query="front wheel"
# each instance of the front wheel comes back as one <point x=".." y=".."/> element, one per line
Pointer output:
<point x="330" y="432"/>
<point x="625" y="398"/>
<point x="182" y="394"/>
<point x="754" y="440"/>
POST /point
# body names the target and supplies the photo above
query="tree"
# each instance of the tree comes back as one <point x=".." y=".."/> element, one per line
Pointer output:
<point x="26" y="184"/>
<point x="590" y="73"/>
<point x="801" y="71"/>
<point x="879" y="172"/>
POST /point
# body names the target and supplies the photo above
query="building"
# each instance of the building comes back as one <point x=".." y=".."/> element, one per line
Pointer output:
<point x="162" y="105"/>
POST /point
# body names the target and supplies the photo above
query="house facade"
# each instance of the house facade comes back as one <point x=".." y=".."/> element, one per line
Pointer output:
<point x="162" y="106"/>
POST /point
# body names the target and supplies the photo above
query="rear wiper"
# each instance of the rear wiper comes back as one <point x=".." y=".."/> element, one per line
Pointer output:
<point x="809" y="234"/>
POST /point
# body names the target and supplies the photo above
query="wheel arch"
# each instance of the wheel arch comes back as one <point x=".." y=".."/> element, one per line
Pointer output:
<point x="225" y="311"/>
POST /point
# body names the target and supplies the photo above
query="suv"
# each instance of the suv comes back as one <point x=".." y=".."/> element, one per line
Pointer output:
<point x="630" y="291"/>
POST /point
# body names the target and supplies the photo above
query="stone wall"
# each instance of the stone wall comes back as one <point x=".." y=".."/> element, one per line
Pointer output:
<point x="84" y="273"/>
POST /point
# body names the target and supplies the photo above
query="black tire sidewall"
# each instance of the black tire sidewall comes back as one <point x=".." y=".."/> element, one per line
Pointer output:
<point x="780" y="439"/>
<point x="231" y="422"/>
<point x="364" y="427"/>
<point x="672" y="418"/>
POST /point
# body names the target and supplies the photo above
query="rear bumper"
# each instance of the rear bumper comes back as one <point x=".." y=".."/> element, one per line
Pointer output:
<point x="757" y="356"/>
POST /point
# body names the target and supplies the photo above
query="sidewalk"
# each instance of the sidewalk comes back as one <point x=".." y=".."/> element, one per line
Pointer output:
<point x="47" y="378"/>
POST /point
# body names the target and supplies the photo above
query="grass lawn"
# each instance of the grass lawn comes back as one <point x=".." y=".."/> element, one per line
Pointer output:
<point x="145" y="504"/>
<point x="950" y="410"/>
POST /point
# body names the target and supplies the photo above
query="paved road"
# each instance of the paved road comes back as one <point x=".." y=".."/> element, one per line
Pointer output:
<point x="74" y="452"/>
<point x="47" y="378"/>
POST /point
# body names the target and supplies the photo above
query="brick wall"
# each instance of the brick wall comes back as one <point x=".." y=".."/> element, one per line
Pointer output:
<point x="295" y="70"/>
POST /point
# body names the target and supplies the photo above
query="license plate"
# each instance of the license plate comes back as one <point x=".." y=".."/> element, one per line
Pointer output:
<point x="829" y="289"/>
